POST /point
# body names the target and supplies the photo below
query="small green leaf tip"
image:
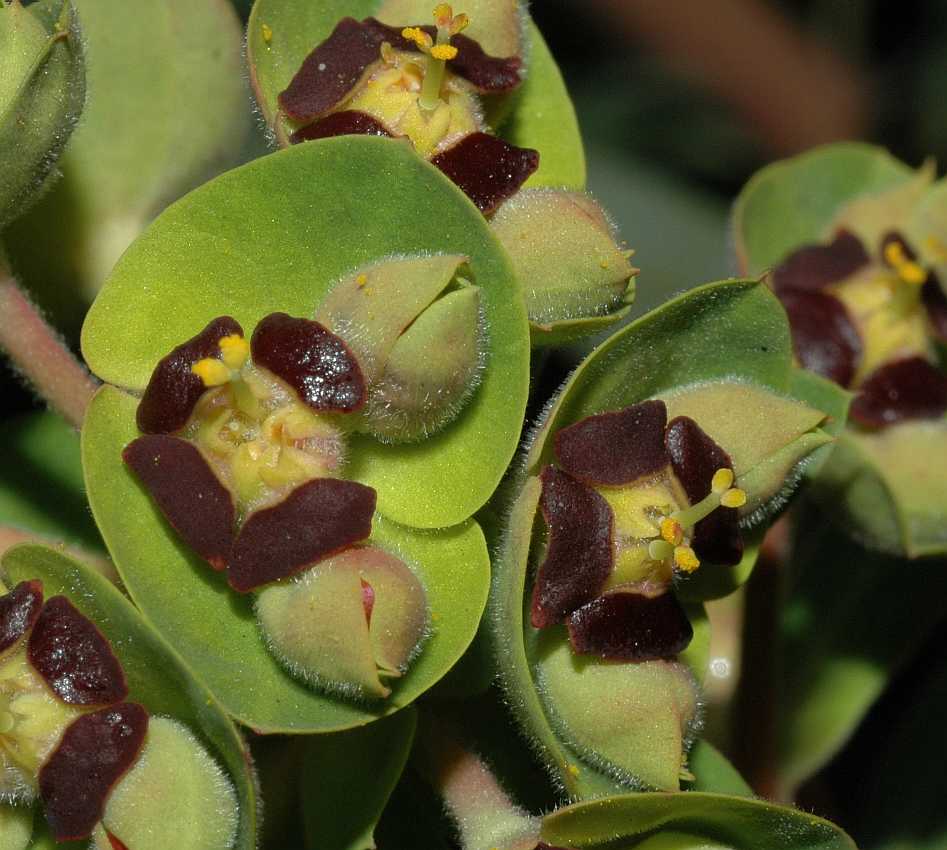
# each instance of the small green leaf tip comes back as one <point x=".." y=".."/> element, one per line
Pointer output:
<point x="349" y="624"/>
<point x="174" y="796"/>
<point x="415" y="326"/>
<point x="568" y="260"/>
<point x="16" y="827"/>
<point x="42" y="89"/>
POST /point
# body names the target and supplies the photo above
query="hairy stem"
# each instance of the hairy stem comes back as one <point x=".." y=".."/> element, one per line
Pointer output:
<point x="486" y="817"/>
<point x="39" y="354"/>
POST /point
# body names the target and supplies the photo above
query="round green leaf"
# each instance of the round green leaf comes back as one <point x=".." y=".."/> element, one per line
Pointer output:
<point x="737" y="823"/>
<point x="347" y="778"/>
<point x="215" y="630"/>
<point x="156" y="676"/>
<point x="275" y="235"/>
<point x="166" y="108"/>
<point x="281" y="33"/>
<point x="794" y="201"/>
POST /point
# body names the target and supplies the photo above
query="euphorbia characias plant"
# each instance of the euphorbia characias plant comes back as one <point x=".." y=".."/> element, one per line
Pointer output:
<point x="322" y="522"/>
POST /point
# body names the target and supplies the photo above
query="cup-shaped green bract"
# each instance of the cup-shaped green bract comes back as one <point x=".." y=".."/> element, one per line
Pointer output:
<point x="143" y="735"/>
<point x="313" y="222"/>
<point x="575" y="276"/>
<point x="643" y="493"/>
<point x="16" y="827"/>
<point x="857" y="247"/>
<point x="42" y="89"/>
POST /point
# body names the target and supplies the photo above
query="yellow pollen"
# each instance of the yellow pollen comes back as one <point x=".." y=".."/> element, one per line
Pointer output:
<point x="361" y="280"/>
<point x="908" y="270"/>
<point x="459" y="24"/>
<point x="671" y="531"/>
<point x="418" y="36"/>
<point x="722" y="480"/>
<point x="444" y="52"/>
<point x="685" y="559"/>
<point x="443" y="14"/>
<point x="234" y="350"/>
<point x="267" y="32"/>
<point x="735" y="498"/>
<point x="211" y="371"/>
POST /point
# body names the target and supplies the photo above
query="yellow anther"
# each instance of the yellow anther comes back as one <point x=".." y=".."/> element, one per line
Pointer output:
<point x="459" y="24"/>
<point x="211" y="371"/>
<point x="234" y="350"/>
<point x="908" y="270"/>
<point x="361" y="280"/>
<point x="444" y="52"/>
<point x="267" y="32"/>
<point x="603" y="264"/>
<point x="443" y="14"/>
<point x="671" y="531"/>
<point x="722" y="480"/>
<point x="735" y="498"/>
<point x="685" y="559"/>
<point x="418" y="36"/>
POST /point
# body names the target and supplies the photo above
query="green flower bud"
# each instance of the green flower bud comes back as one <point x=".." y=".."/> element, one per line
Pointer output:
<point x="575" y="276"/>
<point x="175" y="795"/>
<point x="633" y="721"/>
<point x="16" y="827"/>
<point x="414" y="324"/>
<point x="42" y="89"/>
<point x="347" y="623"/>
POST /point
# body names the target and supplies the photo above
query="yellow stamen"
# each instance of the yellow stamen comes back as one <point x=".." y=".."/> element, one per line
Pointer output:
<point x="459" y="24"/>
<point x="444" y="52"/>
<point x="685" y="559"/>
<point x="234" y="350"/>
<point x="443" y="14"/>
<point x="734" y="498"/>
<point x="419" y="37"/>
<point x="671" y="531"/>
<point x="361" y="280"/>
<point x="722" y="480"/>
<point x="211" y="371"/>
<point x="908" y="270"/>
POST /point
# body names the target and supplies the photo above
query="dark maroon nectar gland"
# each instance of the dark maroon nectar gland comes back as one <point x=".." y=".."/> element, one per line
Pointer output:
<point x="261" y="451"/>
<point x="417" y="82"/>
<point x="869" y="322"/>
<point x="636" y="502"/>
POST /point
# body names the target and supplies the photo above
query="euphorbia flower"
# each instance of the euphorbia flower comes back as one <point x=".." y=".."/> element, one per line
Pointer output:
<point x="68" y="735"/>
<point x="419" y="82"/>
<point x="634" y="502"/>
<point x="242" y="448"/>
<point x="869" y="317"/>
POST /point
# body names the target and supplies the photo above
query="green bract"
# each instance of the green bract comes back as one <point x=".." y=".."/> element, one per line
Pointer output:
<point x="691" y="821"/>
<point x="156" y="677"/>
<point x="42" y="89"/>
<point x="884" y="483"/>
<point x="538" y="114"/>
<point x="720" y="355"/>
<point x="166" y="109"/>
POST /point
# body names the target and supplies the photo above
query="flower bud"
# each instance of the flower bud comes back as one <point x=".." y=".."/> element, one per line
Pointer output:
<point x="414" y="325"/>
<point x="16" y="827"/>
<point x="175" y="795"/>
<point x="348" y="623"/>
<point x="575" y="277"/>
<point x="633" y="720"/>
<point x="42" y="89"/>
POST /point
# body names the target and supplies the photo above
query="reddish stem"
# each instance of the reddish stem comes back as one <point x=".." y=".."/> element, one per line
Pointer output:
<point x="41" y="356"/>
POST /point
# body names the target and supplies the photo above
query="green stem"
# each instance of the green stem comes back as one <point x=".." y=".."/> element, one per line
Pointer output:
<point x="40" y="355"/>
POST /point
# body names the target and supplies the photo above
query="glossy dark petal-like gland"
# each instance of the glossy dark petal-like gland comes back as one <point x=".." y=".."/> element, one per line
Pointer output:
<point x="579" y="549"/>
<point x="73" y="656"/>
<point x="19" y="610"/>
<point x="93" y="754"/>
<point x="488" y="169"/>
<point x="617" y="447"/>
<point x="695" y="457"/>
<point x="335" y="66"/>
<point x="628" y="626"/>
<point x="350" y="122"/>
<point x="935" y="302"/>
<point x="315" y="363"/>
<point x="813" y="267"/>
<point x="823" y="336"/>
<point x="907" y="389"/>
<point x="191" y="497"/>
<point x="174" y="389"/>
<point x="317" y="519"/>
